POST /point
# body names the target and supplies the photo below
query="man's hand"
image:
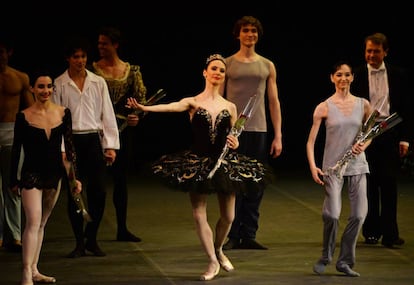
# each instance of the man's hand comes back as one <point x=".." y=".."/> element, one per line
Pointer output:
<point x="132" y="120"/>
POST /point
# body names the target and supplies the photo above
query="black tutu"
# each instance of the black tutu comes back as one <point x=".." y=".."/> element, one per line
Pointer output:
<point x="188" y="170"/>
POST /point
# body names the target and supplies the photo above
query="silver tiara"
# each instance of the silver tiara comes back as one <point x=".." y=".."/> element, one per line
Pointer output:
<point x="215" y="56"/>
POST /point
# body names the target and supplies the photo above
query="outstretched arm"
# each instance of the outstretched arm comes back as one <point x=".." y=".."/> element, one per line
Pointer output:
<point x="178" y="106"/>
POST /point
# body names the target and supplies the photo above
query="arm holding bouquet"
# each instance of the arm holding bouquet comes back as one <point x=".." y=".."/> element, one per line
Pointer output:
<point x="370" y="130"/>
<point x="75" y="189"/>
<point x="361" y="142"/>
<point x="75" y="184"/>
<point x="235" y="131"/>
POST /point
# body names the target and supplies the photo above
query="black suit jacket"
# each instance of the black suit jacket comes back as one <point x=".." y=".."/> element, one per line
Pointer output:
<point x="400" y="99"/>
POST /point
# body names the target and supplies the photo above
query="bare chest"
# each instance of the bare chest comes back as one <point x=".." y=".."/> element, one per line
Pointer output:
<point x="10" y="85"/>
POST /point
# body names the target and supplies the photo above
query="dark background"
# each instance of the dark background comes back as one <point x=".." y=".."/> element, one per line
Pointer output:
<point x="170" y="41"/>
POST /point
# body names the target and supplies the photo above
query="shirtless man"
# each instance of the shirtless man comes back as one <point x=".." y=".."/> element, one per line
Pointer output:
<point x="14" y="95"/>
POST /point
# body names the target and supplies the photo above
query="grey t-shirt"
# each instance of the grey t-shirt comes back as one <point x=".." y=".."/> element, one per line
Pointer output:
<point x="243" y="80"/>
<point x="341" y="131"/>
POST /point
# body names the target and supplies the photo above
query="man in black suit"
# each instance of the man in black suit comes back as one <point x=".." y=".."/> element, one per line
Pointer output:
<point x="386" y="87"/>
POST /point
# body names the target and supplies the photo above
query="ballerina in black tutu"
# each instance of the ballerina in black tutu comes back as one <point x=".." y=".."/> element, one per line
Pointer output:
<point x="212" y="117"/>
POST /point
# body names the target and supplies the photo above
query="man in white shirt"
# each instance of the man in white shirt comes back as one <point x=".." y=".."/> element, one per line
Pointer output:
<point x="96" y="139"/>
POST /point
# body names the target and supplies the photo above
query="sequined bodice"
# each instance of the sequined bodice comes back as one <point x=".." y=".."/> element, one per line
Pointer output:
<point x="209" y="139"/>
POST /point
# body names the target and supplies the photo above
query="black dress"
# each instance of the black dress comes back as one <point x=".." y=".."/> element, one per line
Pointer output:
<point x="42" y="166"/>
<point x="188" y="170"/>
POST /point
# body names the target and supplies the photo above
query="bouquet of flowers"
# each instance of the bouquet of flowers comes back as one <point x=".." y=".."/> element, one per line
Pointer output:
<point x="77" y="197"/>
<point x="236" y="130"/>
<point x="161" y="93"/>
<point x="370" y="129"/>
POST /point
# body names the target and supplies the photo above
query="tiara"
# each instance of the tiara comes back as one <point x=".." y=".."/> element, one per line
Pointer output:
<point x="215" y="56"/>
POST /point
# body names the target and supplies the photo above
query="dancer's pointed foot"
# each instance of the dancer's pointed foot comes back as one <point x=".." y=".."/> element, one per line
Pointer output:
<point x="212" y="271"/>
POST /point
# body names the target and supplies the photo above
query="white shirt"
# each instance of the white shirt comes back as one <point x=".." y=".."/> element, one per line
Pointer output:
<point x="92" y="109"/>
<point x="378" y="90"/>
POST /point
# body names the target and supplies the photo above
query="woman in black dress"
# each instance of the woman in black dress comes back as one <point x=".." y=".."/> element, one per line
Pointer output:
<point x="212" y="117"/>
<point x="38" y="135"/>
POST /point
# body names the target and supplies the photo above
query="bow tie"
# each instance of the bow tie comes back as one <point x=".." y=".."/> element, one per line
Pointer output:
<point x="377" y="71"/>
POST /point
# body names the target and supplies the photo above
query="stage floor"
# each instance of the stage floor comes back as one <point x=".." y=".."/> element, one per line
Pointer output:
<point x="170" y="252"/>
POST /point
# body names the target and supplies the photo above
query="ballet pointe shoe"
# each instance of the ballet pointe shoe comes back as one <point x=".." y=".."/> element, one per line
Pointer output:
<point x="207" y="276"/>
<point x="225" y="263"/>
<point x="40" y="278"/>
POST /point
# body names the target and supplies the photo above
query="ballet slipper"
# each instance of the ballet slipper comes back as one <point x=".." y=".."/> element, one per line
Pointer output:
<point x="40" y="278"/>
<point x="225" y="263"/>
<point x="207" y="276"/>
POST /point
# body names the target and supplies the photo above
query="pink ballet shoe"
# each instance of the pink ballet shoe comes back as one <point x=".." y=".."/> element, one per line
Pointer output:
<point x="226" y="264"/>
<point x="207" y="276"/>
<point x="40" y="278"/>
